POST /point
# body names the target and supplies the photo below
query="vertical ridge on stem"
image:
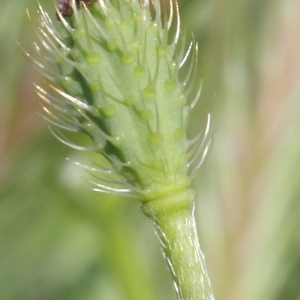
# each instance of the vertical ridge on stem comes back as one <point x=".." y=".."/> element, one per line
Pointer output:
<point x="175" y="226"/>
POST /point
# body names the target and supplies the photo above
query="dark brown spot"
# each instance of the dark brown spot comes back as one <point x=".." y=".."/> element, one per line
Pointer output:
<point x="65" y="7"/>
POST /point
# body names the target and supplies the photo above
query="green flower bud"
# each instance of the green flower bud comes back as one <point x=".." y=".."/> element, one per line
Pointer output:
<point x="113" y="72"/>
<point x="113" y="69"/>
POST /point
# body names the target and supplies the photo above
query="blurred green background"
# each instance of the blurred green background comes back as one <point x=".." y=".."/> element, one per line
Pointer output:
<point x="60" y="241"/>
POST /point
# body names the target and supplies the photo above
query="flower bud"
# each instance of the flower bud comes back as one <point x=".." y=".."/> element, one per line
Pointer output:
<point x="113" y="68"/>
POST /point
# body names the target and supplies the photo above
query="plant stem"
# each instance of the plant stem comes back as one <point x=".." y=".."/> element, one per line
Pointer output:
<point x="122" y="259"/>
<point x="174" y="221"/>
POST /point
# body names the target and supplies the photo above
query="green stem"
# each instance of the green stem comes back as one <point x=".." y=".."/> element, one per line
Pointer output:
<point x="108" y="214"/>
<point x="174" y="221"/>
<point x="122" y="259"/>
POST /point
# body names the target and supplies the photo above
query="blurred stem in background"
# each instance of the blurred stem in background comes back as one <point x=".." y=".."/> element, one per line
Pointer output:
<point x="248" y="190"/>
<point x="251" y="61"/>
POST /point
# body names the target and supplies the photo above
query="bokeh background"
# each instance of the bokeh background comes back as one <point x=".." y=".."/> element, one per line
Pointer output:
<point x="61" y="241"/>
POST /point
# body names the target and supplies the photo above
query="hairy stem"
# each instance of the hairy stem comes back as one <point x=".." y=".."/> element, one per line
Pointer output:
<point x="174" y="221"/>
